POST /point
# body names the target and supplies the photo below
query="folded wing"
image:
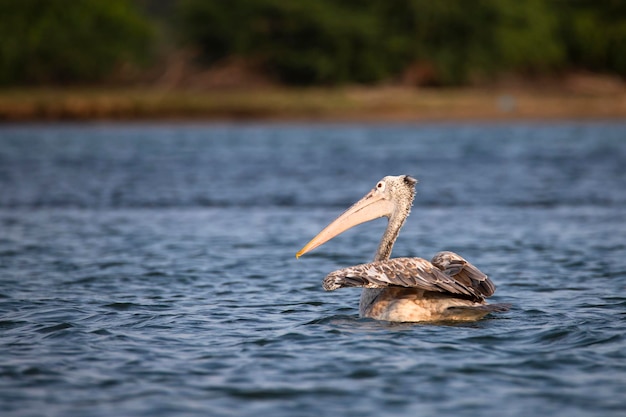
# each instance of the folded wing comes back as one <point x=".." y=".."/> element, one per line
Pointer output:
<point x="447" y="273"/>
<point x="464" y="272"/>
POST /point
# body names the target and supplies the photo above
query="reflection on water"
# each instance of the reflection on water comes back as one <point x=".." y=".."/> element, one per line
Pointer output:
<point x="150" y="270"/>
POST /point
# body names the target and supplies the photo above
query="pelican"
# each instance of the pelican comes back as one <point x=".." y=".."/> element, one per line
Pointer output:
<point x="448" y="288"/>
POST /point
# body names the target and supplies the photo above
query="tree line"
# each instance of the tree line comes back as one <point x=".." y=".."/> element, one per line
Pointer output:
<point x="314" y="42"/>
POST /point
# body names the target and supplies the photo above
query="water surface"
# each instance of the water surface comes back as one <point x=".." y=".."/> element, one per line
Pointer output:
<point x="149" y="270"/>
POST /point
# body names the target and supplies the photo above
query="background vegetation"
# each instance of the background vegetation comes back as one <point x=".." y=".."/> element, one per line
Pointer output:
<point x="57" y="41"/>
<point x="312" y="42"/>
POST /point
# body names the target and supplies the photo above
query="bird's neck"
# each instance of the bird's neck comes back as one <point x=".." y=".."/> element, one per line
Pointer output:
<point x="389" y="237"/>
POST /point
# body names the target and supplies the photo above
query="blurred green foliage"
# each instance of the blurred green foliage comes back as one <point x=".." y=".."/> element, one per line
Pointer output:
<point x="302" y="42"/>
<point x="594" y="34"/>
<point x="60" y="41"/>
<point x="309" y="42"/>
<point x="335" y="41"/>
<point x="462" y="40"/>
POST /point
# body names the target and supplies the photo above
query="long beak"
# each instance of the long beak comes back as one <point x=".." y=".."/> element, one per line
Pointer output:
<point x="370" y="207"/>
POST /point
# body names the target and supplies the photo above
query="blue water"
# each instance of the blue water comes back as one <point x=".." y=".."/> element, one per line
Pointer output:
<point x="149" y="270"/>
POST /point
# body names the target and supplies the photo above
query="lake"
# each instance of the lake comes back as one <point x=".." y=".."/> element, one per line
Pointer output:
<point x="150" y="270"/>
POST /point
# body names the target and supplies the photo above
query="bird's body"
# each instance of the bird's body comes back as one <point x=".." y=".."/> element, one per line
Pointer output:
<point x="447" y="288"/>
<point x="415" y="305"/>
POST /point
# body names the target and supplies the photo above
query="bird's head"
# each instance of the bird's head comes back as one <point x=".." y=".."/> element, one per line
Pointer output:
<point x="391" y="196"/>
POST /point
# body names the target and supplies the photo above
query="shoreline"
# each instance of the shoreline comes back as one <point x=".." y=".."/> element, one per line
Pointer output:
<point x="345" y="104"/>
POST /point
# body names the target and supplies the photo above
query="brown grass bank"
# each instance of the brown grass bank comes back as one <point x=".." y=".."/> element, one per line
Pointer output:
<point x="315" y="104"/>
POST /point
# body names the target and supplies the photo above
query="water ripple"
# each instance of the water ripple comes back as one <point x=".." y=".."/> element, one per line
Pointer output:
<point x="150" y="270"/>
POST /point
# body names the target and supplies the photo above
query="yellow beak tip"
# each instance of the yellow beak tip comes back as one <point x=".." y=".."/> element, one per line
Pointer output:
<point x="299" y="254"/>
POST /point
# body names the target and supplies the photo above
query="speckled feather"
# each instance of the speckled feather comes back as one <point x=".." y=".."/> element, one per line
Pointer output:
<point x="446" y="273"/>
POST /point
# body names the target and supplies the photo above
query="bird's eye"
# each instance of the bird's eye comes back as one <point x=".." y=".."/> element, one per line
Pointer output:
<point x="380" y="186"/>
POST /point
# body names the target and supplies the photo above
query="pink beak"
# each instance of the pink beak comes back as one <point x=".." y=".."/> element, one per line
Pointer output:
<point x="372" y="206"/>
